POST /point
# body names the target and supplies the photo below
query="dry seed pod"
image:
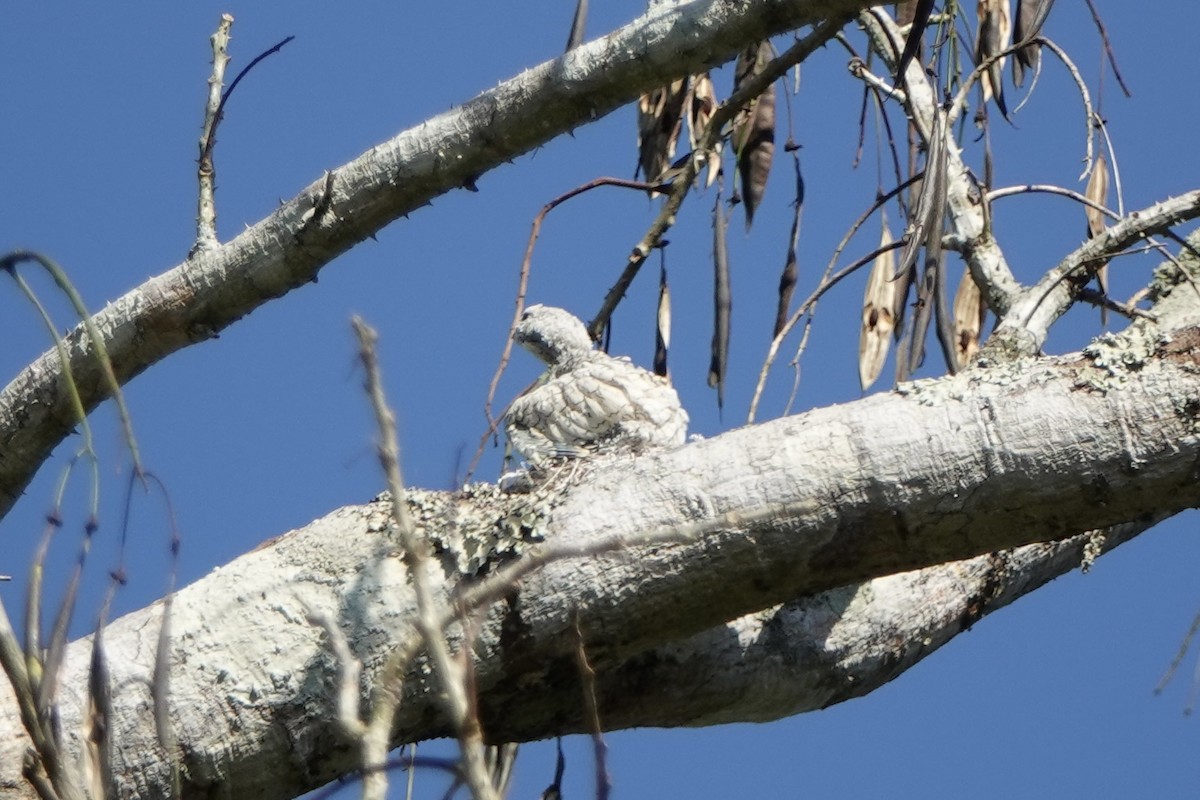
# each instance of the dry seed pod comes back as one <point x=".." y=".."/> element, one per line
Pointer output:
<point x="878" y="318"/>
<point x="722" y="305"/>
<point x="754" y="129"/>
<point x="969" y="313"/>
<point x="1031" y="15"/>
<point x="662" y="330"/>
<point x="791" y="267"/>
<point x="1097" y="192"/>
<point x="699" y="106"/>
<point x="992" y="37"/>
<point x="660" y="117"/>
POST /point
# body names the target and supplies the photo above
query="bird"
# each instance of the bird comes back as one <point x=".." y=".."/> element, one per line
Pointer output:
<point x="587" y="402"/>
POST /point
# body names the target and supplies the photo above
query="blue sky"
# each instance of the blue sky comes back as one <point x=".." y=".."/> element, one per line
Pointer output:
<point x="266" y="428"/>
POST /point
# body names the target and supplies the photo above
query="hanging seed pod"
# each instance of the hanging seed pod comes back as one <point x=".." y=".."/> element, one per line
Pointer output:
<point x="1031" y="15"/>
<point x="722" y="305"/>
<point x="754" y="129"/>
<point x="662" y="327"/>
<point x="969" y="314"/>
<point x="878" y="319"/>
<point x="660" y="118"/>
<point x="699" y="107"/>
<point x="992" y="37"/>
<point x="791" y="267"/>
<point x="1097" y="192"/>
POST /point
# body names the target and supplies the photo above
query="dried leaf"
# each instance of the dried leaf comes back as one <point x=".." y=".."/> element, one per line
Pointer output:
<point x="699" y="107"/>
<point x="754" y="129"/>
<point x="1031" y="15"/>
<point x="660" y="118"/>
<point x="992" y="37"/>
<point x="1097" y="192"/>
<point x="878" y="319"/>
<point x="969" y="314"/>
<point x="662" y="330"/>
<point x="722" y="305"/>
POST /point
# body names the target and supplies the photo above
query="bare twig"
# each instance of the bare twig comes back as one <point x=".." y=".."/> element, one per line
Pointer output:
<point x="214" y="112"/>
<point x="587" y="680"/>
<point x="1114" y="166"/>
<point x="408" y="762"/>
<point x="1044" y="303"/>
<point x="206" y="213"/>
<point x="42" y="667"/>
<point x="1089" y="111"/>
<point x="449" y="672"/>
<point x="1127" y="310"/>
<point x="273" y="49"/>
<point x="1009" y="191"/>
<point x="1108" y="51"/>
<point x="1048" y="188"/>
<point x="795" y="362"/>
<point x="1184" y="646"/>
<point x="349" y="675"/>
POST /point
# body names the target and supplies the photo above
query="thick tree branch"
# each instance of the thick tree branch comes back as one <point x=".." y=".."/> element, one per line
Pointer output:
<point x="811" y="653"/>
<point x="195" y="300"/>
<point x="990" y="459"/>
<point x="1039" y="306"/>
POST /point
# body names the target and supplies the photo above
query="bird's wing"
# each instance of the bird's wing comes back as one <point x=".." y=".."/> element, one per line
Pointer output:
<point x="600" y="403"/>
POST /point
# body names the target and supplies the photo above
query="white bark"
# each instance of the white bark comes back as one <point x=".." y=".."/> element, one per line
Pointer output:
<point x="948" y="469"/>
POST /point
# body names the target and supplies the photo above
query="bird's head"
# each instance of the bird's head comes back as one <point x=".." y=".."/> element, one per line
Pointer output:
<point x="551" y="334"/>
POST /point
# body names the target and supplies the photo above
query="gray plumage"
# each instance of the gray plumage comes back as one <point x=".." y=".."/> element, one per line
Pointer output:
<point x="587" y="401"/>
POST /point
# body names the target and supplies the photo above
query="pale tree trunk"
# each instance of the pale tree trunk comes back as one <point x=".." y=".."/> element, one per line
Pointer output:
<point x="782" y="567"/>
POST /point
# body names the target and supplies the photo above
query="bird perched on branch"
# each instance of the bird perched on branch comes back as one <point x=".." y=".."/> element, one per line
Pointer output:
<point x="587" y="401"/>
